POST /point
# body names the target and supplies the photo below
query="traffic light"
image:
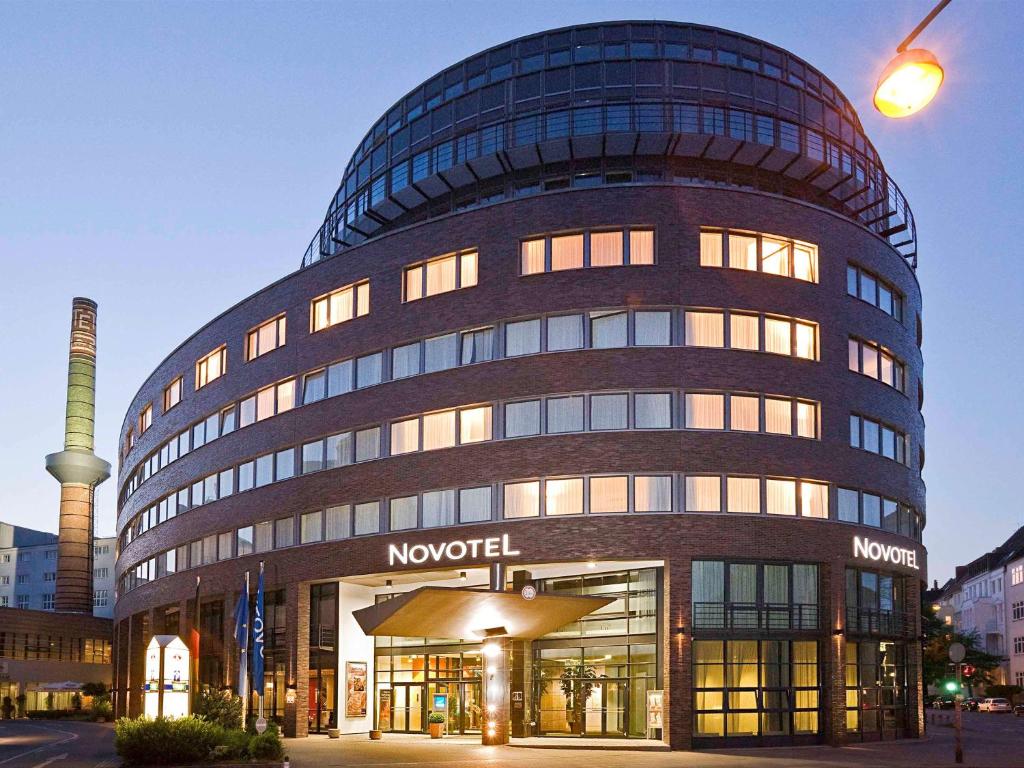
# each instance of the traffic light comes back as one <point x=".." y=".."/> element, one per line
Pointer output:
<point x="969" y="670"/>
<point x="951" y="686"/>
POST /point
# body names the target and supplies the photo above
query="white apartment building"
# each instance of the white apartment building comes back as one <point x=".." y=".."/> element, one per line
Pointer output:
<point x="1015" y="616"/>
<point x="28" y="570"/>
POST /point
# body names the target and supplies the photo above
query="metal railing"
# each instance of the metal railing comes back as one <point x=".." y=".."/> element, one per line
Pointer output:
<point x="862" y="621"/>
<point x="756" y="617"/>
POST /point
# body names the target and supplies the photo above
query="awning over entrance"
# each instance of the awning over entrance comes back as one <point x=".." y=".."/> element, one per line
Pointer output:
<point x="470" y="614"/>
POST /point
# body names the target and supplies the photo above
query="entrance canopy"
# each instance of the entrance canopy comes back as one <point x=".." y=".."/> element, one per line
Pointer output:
<point x="466" y="614"/>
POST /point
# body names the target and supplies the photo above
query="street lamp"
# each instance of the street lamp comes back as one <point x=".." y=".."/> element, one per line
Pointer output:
<point x="911" y="80"/>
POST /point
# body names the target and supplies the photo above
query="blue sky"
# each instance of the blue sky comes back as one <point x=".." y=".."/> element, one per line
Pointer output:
<point x="168" y="159"/>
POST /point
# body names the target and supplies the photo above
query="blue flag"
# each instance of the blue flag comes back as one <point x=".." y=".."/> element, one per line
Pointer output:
<point x="242" y="634"/>
<point x="257" y="638"/>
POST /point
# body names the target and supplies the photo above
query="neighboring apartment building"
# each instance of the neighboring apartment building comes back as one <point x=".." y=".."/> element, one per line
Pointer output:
<point x="980" y="599"/>
<point x="28" y="570"/>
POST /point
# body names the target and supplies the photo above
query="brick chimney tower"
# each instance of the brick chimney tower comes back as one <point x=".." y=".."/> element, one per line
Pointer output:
<point x="77" y="468"/>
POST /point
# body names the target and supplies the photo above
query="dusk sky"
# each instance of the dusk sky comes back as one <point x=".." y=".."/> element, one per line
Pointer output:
<point x="169" y="159"/>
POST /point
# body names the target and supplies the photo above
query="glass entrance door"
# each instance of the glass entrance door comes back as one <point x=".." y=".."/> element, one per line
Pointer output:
<point x="407" y="714"/>
<point x="605" y="713"/>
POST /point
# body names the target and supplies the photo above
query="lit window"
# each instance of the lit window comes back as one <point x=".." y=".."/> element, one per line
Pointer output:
<point x="780" y="496"/>
<point x="705" y="329"/>
<point x="641" y="246"/>
<point x="703" y="494"/>
<point x="438" y="430"/>
<point x="744" y="495"/>
<point x="532" y="261"/>
<point x="172" y="394"/>
<point x="705" y="411"/>
<point x="711" y="249"/>
<point x="806" y="419"/>
<point x="566" y="252"/>
<point x="441" y="275"/>
<point x="743" y="252"/>
<point x="764" y="253"/>
<point x="475" y="424"/>
<point x="211" y="367"/>
<point x="744" y="413"/>
<point x="522" y="499"/>
<point x="146" y="418"/>
<point x="609" y="494"/>
<point x="606" y="249"/>
<point x="778" y="416"/>
<point x="813" y="499"/>
<point x="778" y="336"/>
<point x="405" y="436"/>
<point x="265" y="338"/>
<point x="744" y="332"/>
<point x="340" y="306"/>
<point x="563" y="497"/>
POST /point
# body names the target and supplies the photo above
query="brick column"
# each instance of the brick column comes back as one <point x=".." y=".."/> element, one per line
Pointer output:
<point x="137" y="640"/>
<point x="230" y="649"/>
<point x="915" y="660"/>
<point x="832" y="662"/>
<point x="296" y="714"/>
<point x="119" y="680"/>
<point x="678" y="648"/>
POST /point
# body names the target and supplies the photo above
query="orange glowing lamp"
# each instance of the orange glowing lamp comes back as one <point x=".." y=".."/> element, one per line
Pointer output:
<point x="908" y="83"/>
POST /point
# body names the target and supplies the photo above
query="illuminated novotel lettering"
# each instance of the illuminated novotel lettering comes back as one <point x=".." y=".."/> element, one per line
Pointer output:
<point x="889" y="553"/>
<point x="495" y="546"/>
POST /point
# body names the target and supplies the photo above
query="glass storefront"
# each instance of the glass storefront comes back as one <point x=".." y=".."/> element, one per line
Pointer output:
<point x="437" y="681"/>
<point x="876" y="690"/>
<point x="323" y="656"/>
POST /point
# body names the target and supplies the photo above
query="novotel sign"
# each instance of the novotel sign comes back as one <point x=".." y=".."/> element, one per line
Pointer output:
<point x="887" y="553"/>
<point x="459" y="549"/>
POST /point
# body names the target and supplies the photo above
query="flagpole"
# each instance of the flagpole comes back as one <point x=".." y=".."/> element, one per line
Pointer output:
<point x="243" y="673"/>
<point x="259" y="615"/>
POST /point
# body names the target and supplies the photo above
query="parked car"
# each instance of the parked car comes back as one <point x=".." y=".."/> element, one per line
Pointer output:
<point x="1018" y="710"/>
<point x="994" y="705"/>
<point x="973" y="703"/>
<point x="943" y="702"/>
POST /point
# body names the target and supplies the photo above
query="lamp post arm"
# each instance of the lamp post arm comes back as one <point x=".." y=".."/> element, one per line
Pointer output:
<point x="920" y="27"/>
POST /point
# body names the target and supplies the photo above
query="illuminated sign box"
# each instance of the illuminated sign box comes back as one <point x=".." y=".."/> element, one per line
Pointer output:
<point x="166" y="691"/>
<point x="887" y="553"/>
<point x="459" y="549"/>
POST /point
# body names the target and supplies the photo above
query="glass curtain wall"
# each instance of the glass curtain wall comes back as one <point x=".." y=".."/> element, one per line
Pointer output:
<point x="876" y="690"/>
<point x="323" y="656"/>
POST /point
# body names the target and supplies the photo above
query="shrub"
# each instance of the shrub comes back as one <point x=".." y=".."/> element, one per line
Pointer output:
<point x="94" y="689"/>
<point x="220" y="707"/>
<point x="101" y="708"/>
<point x="166" y="742"/>
<point x="266" y="746"/>
<point x="436" y="717"/>
<point x="235" y="745"/>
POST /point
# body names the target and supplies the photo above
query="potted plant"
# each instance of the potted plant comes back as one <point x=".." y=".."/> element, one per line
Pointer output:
<point x="21" y="698"/>
<point x="7" y="710"/>
<point x="436" y="720"/>
<point x="577" y="682"/>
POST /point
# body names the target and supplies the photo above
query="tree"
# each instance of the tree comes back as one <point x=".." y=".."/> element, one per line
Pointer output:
<point x="938" y="637"/>
<point x="577" y="683"/>
<point x="94" y="689"/>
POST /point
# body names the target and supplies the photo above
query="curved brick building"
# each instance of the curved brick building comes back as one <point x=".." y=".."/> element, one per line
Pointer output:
<point x="627" y="308"/>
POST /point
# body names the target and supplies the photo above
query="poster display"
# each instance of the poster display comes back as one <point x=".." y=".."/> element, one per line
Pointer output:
<point x="655" y="712"/>
<point x="384" y="709"/>
<point x="355" y="689"/>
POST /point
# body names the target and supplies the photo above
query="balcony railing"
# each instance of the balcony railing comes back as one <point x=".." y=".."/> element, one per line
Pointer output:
<point x="860" y="621"/>
<point x="755" y="617"/>
<point x="322" y="637"/>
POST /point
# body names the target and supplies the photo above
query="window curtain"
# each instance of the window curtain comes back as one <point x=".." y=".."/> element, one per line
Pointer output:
<point x="705" y="329"/>
<point x="705" y="411"/>
<point x="522" y="418"/>
<point x="744" y="494"/>
<point x="805" y="263"/>
<point x="339" y="378"/>
<point x="743" y="252"/>
<point x="414" y="283"/>
<point x="564" y="496"/>
<point x="781" y="497"/>
<point x="609" y="494"/>
<point x="474" y="504"/>
<point x="339" y="450"/>
<point x="653" y="410"/>
<point x="565" y="414"/>
<point x="522" y="338"/>
<point x="778" y="336"/>
<point x="744" y="413"/>
<point x="565" y="332"/>
<point x="711" y="249"/>
<point x="775" y="257"/>
<point x="606" y="249"/>
<point x="338" y="522"/>
<point x="806" y="420"/>
<point x="533" y="256"/>
<point x="776" y="584"/>
<point x="314" y="387"/>
<point x="708" y="581"/>
<point x="438" y="430"/>
<point x="468" y="269"/>
<point x="475" y="424"/>
<point x="405" y="361"/>
<point x="609" y="411"/>
<point x="641" y="246"/>
<point x="566" y="252"/>
<point x="778" y="416"/>
<point x="703" y="494"/>
<point x="368" y="370"/>
<point x="438" y="508"/>
<point x="652" y="493"/>
<point x="441" y="276"/>
<point x="341" y="306"/>
<point x="367" y="518"/>
<point x="742" y="583"/>
<point x="813" y="499"/>
<point x="653" y="329"/>
<point x="743" y="332"/>
<point x="405" y="436"/>
<point x="805" y="584"/>
<point x="805" y="345"/>
<point x="522" y="499"/>
<point x="477" y="346"/>
<point x="608" y="330"/>
<point x="441" y="352"/>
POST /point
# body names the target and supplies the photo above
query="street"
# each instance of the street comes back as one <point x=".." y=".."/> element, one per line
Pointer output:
<point x="990" y="741"/>
<point x="56" y="744"/>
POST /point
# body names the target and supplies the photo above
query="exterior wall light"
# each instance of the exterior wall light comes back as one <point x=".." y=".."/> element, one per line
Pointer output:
<point x="837" y="632"/>
<point x="911" y="80"/>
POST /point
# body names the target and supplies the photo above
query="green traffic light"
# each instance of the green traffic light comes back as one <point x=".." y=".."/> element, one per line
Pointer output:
<point x="951" y="686"/>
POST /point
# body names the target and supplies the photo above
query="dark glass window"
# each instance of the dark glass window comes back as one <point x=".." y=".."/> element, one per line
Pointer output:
<point x="559" y="58"/>
<point x="527" y="87"/>
<point x="556" y="80"/>
<point x="617" y="73"/>
<point x="644" y="50"/>
<point x="588" y="53"/>
<point x="588" y="76"/>
<point x="532" y="63"/>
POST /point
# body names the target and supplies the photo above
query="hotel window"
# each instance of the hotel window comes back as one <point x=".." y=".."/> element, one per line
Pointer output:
<point x="522" y="499"/>
<point x="652" y="493"/>
<point x="265" y="338"/>
<point x="652" y="410"/>
<point x="338" y="522"/>
<point x="284" y="532"/>
<point x="475" y="424"/>
<point x="405" y="436"/>
<point x="565" y="332"/>
<point x="563" y="496"/>
<point x="876" y="362"/>
<point x="438" y="430"/>
<point x="441" y="352"/>
<point x="522" y="338"/>
<point x="146" y="418"/>
<point x="743" y="495"/>
<point x="760" y="253"/>
<point x="244" y="541"/>
<point x="704" y="329"/>
<point x="705" y="411"/>
<point x="609" y="494"/>
<point x="438" y="508"/>
<point x="589" y="249"/>
<point x="1018" y="611"/>
<point x="522" y="419"/>
<point x="652" y="329"/>
<point x="871" y="436"/>
<point x="367" y="518"/>
<point x="475" y="504"/>
<point x="867" y="287"/>
<point x="608" y="330"/>
<point x="609" y="412"/>
<point x="369" y="371"/>
<point x="477" y="346"/>
<point x="264" y="470"/>
<point x="441" y="275"/>
<point x="211" y="367"/>
<point x="780" y="497"/>
<point x="703" y="494"/>
<point x="172" y="394"/>
<point x="367" y="444"/>
<point x="403" y="513"/>
<point x="264" y="537"/>
<point x="564" y="414"/>
<point x="340" y="306"/>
